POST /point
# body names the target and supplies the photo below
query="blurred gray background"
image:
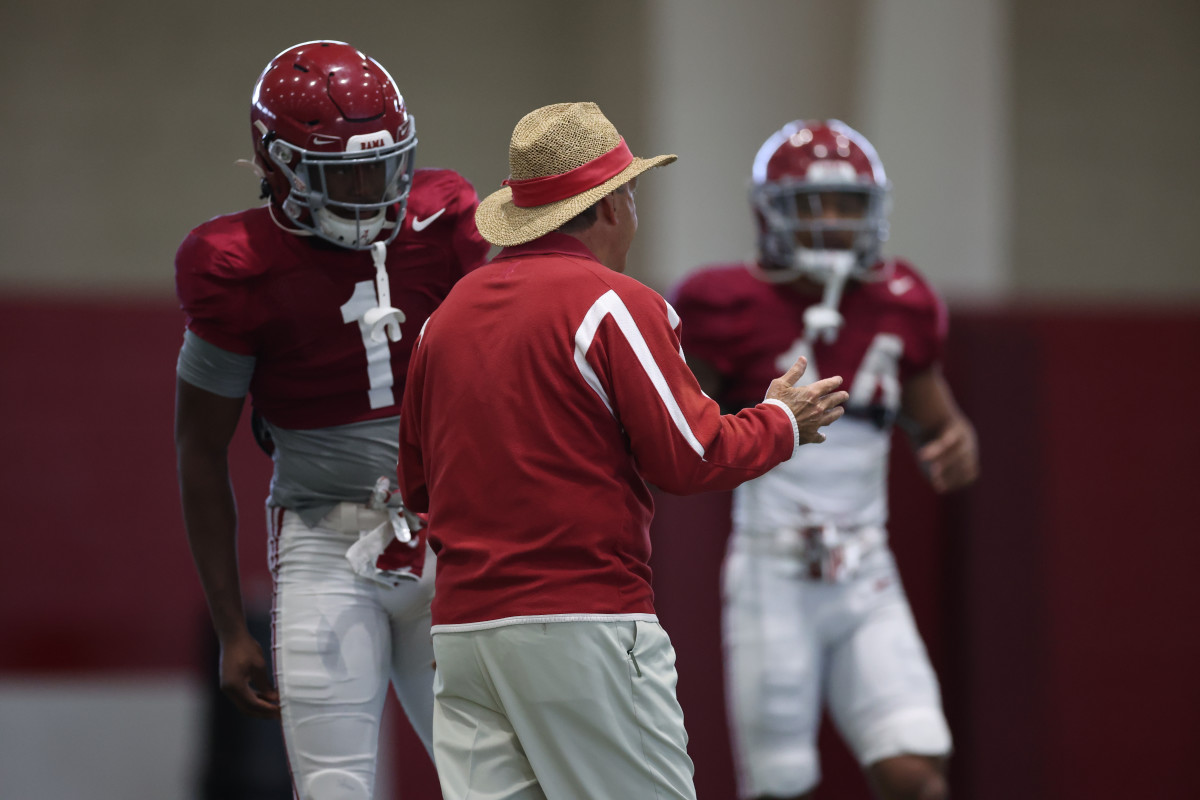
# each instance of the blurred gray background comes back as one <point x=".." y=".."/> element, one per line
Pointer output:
<point x="1039" y="150"/>
<point x="1042" y="152"/>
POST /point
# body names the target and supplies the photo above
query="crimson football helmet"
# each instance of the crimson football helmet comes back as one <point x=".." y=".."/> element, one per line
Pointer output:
<point x="820" y="196"/>
<point x="335" y="143"/>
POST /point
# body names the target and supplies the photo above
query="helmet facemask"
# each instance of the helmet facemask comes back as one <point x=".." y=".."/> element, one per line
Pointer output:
<point x="820" y="194"/>
<point x="350" y="198"/>
<point x="814" y="228"/>
<point x="335" y="142"/>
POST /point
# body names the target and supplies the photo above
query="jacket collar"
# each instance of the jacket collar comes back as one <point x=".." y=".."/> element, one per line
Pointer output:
<point x="552" y="243"/>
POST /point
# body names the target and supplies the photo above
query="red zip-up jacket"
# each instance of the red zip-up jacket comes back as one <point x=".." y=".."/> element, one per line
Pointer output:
<point x="544" y="393"/>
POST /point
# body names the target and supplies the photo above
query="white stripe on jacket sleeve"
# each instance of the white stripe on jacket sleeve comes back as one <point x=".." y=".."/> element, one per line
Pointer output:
<point x="610" y="303"/>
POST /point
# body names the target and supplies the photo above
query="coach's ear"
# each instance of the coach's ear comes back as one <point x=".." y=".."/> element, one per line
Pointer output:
<point x="606" y="208"/>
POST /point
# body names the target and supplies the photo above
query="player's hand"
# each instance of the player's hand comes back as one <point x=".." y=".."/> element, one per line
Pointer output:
<point x="951" y="459"/>
<point x="814" y="406"/>
<point x="245" y="679"/>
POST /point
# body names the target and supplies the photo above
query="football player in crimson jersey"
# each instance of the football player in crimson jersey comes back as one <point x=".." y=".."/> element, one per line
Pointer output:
<point x="814" y="612"/>
<point x="310" y="305"/>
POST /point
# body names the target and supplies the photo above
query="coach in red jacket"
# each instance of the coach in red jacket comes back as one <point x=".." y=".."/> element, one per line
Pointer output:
<point x="543" y="394"/>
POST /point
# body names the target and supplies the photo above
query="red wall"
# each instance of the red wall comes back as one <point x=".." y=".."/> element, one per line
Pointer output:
<point x="1054" y="596"/>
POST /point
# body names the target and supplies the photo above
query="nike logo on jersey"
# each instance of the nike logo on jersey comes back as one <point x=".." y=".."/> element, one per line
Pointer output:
<point x="900" y="285"/>
<point x="421" y="224"/>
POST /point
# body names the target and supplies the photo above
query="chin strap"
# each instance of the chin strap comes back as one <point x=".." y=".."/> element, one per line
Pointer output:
<point x="823" y="320"/>
<point x="383" y="317"/>
<point x="281" y="226"/>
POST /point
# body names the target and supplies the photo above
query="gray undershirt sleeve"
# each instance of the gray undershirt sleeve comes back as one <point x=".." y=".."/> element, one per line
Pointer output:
<point x="213" y="369"/>
<point x="315" y="469"/>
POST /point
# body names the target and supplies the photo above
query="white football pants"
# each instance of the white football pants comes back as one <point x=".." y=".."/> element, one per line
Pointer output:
<point x="794" y="646"/>
<point x="338" y="640"/>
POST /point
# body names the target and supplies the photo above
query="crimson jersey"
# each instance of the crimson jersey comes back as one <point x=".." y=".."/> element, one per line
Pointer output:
<point x="541" y="394"/>
<point x="294" y="302"/>
<point x="751" y="331"/>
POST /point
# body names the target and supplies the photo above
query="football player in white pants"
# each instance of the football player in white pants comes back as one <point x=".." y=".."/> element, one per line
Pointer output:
<point x="339" y="640"/>
<point x="814" y="612"/>
<point x="310" y="305"/>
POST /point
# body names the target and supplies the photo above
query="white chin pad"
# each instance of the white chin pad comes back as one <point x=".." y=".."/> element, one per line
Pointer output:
<point x="347" y="231"/>
<point x="820" y="264"/>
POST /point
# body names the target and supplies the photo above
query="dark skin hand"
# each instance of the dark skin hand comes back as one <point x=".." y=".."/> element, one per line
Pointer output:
<point x="948" y="450"/>
<point x="204" y="425"/>
<point x="947" y="447"/>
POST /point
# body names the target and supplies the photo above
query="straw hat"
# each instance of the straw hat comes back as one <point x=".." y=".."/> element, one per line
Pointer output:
<point x="562" y="159"/>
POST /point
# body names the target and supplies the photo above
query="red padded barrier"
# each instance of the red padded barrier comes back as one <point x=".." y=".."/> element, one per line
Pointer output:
<point x="1055" y="596"/>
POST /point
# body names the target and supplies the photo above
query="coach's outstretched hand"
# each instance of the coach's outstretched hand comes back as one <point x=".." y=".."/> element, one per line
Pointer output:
<point x="814" y="406"/>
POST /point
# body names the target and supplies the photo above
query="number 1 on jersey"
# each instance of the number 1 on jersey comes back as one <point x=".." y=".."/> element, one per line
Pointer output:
<point x="379" y="354"/>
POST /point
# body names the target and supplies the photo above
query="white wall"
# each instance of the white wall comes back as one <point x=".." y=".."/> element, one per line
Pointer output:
<point x="723" y="77"/>
<point x="935" y="98"/>
<point x="100" y="739"/>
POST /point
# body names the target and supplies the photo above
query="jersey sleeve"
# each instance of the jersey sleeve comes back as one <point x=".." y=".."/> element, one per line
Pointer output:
<point x="702" y="306"/>
<point x="213" y="296"/>
<point x="446" y="189"/>
<point x="215" y="370"/>
<point x="929" y="322"/>
<point x="469" y="245"/>
<point x="628" y="348"/>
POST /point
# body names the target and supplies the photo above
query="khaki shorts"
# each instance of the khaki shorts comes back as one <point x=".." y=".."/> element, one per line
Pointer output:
<point x="571" y="710"/>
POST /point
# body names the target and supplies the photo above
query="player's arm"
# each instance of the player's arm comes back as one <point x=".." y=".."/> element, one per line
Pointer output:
<point x="410" y="465"/>
<point x="947" y="446"/>
<point x="204" y="426"/>
<point x="710" y="380"/>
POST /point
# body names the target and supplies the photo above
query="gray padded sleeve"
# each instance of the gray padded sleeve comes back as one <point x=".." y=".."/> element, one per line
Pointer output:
<point x="212" y="369"/>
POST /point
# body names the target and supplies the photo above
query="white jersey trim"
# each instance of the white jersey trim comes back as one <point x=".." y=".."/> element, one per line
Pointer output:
<point x="610" y="303"/>
<point x="460" y="627"/>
